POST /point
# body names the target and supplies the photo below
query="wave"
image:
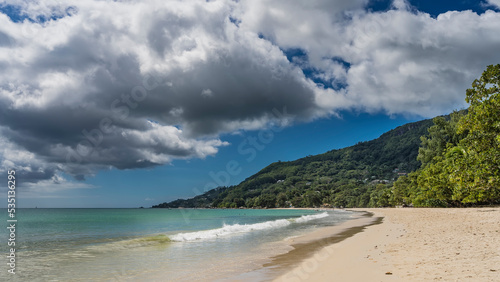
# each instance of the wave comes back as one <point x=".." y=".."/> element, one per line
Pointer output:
<point x="242" y="228"/>
<point x="306" y="218"/>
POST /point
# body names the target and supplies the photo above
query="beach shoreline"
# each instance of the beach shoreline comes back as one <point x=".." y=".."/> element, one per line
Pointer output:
<point x="410" y="244"/>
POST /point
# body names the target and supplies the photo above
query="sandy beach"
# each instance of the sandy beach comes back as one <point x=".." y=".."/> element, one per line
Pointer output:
<point x="407" y="244"/>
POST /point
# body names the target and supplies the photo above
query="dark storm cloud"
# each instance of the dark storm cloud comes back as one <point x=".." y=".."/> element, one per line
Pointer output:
<point x="133" y="85"/>
<point x="57" y="110"/>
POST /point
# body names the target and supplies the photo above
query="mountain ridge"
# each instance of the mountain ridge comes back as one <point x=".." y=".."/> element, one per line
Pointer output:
<point x="347" y="177"/>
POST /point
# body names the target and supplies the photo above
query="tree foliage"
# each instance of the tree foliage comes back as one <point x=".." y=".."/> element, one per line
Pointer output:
<point x="461" y="156"/>
<point x="476" y="172"/>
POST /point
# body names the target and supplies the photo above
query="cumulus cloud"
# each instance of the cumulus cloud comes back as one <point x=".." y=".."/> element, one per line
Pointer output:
<point x="117" y="84"/>
<point x="90" y="85"/>
<point x="28" y="165"/>
<point x="494" y="3"/>
<point x="398" y="61"/>
<point x="414" y="63"/>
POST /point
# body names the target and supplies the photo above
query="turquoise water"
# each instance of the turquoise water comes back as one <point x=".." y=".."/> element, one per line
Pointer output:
<point x="152" y="244"/>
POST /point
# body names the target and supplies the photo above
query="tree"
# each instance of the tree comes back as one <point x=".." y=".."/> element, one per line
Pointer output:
<point x="312" y="199"/>
<point x="239" y="202"/>
<point x="404" y="189"/>
<point x="477" y="171"/>
<point x="249" y="203"/>
<point x="431" y="184"/>
<point x="380" y="196"/>
<point x="442" y="135"/>
<point x="267" y="201"/>
<point x="434" y="186"/>
<point x="281" y="200"/>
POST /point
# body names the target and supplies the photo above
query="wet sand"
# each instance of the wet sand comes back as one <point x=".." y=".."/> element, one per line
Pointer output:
<point x="408" y="245"/>
<point x="309" y="244"/>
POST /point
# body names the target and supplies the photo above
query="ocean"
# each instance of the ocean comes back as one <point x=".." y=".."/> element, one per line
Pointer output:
<point x="153" y="244"/>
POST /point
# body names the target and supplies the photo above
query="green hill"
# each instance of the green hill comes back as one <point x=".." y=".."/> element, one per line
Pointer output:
<point x="355" y="176"/>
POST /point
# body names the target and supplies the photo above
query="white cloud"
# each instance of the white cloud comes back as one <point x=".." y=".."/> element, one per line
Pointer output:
<point x="401" y="5"/>
<point x="199" y="69"/>
<point x="159" y="144"/>
<point x="61" y="78"/>
<point x="400" y="61"/>
<point x="412" y="63"/>
<point x="494" y="3"/>
<point x="27" y="164"/>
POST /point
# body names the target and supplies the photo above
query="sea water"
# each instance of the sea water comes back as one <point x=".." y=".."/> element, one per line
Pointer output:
<point x="152" y="244"/>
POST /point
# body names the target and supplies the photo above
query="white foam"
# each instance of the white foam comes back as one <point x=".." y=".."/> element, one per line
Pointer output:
<point x="306" y="218"/>
<point x="242" y="228"/>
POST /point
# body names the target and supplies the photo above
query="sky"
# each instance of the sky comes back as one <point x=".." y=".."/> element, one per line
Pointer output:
<point x="134" y="103"/>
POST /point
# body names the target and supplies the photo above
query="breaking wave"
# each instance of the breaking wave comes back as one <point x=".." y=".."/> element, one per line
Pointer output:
<point x="242" y="228"/>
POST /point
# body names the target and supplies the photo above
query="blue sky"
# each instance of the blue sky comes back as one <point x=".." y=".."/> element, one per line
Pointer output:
<point x="122" y="104"/>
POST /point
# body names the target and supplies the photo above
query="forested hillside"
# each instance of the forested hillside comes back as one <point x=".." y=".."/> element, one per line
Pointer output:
<point x="349" y="177"/>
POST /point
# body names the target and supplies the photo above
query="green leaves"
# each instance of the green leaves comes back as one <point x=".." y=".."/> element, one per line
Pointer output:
<point x="477" y="173"/>
<point x="461" y="157"/>
<point x="484" y="87"/>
